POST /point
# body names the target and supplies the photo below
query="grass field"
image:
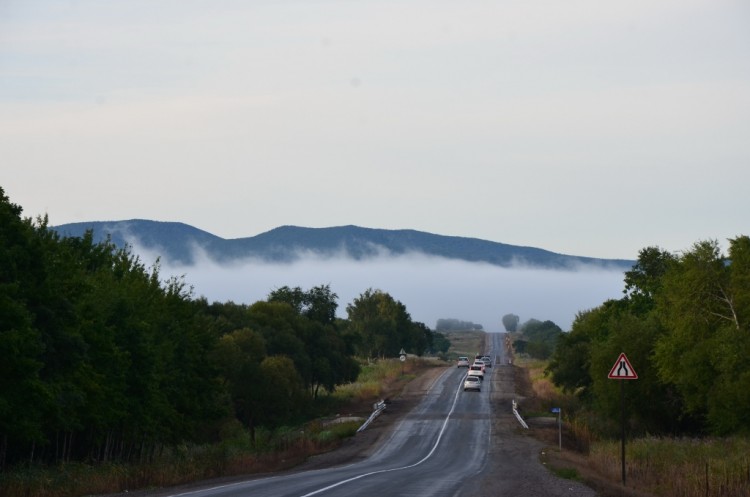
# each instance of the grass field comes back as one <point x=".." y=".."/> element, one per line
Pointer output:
<point x="465" y="343"/>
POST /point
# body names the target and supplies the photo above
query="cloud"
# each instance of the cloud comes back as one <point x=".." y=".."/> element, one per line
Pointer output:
<point x="431" y="288"/>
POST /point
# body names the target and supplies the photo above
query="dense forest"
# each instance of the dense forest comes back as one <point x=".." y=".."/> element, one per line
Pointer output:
<point x="684" y="324"/>
<point x="103" y="359"/>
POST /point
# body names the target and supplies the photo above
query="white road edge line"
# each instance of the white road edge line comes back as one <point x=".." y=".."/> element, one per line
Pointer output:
<point x="434" y="447"/>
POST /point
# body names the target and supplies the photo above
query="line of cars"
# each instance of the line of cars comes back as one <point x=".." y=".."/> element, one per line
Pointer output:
<point x="475" y="375"/>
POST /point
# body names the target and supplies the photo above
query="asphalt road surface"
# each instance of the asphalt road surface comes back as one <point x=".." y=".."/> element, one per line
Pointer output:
<point x="443" y="447"/>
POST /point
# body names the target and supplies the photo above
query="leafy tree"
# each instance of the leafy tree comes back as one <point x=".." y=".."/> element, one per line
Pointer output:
<point x="328" y="362"/>
<point x="383" y="325"/>
<point x="705" y="352"/>
<point x="569" y="364"/>
<point x="453" y="324"/>
<point x="652" y="405"/>
<point x="280" y="325"/>
<point x="238" y="355"/>
<point x="281" y="392"/>
<point x="440" y="343"/>
<point x="644" y="280"/>
<point x="319" y="303"/>
<point x="510" y="322"/>
<point x="23" y="394"/>
<point x="542" y="338"/>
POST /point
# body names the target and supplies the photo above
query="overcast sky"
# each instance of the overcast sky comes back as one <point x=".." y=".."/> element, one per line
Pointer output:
<point x="586" y="127"/>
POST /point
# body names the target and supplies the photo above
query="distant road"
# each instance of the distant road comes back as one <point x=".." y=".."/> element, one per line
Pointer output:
<point x="443" y="448"/>
<point x="434" y="451"/>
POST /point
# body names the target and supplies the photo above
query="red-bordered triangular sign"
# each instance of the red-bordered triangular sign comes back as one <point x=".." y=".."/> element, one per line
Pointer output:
<point x="622" y="370"/>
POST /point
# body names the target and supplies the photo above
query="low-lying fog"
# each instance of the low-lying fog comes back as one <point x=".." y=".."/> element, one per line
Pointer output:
<point x="430" y="288"/>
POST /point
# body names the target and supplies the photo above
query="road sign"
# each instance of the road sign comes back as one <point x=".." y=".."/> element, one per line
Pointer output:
<point x="402" y="357"/>
<point x="555" y="410"/>
<point x="622" y="370"/>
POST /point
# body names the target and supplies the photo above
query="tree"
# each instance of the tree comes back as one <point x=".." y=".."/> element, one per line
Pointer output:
<point x="319" y="303"/>
<point x="383" y="325"/>
<point x="542" y="338"/>
<point x="23" y="395"/>
<point x="510" y="322"/>
<point x="644" y="280"/>
<point x="238" y="356"/>
<point x="703" y="306"/>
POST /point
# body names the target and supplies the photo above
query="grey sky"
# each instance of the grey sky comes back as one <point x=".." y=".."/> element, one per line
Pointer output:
<point x="583" y="127"/>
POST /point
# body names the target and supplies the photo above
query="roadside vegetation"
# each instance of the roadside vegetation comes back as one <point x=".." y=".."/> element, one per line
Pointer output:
<point x="235" y="455"/>
<point x="684" y="324"/>
<point x="114" y="377"/>
<point x="664" y="466"/>
<point x="466" y="343"/>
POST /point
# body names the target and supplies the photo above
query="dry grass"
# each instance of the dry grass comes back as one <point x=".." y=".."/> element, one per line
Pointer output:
<point x="380" y="378"/>
<point x="680" y="467"/>
<point x="663" y="467"/>
<point x="466" y="343"/>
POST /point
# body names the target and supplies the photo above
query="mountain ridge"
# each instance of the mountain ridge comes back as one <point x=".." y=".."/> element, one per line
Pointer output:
<point x="176" y="242"/>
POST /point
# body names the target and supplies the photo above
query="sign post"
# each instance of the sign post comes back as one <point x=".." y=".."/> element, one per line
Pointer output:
<point x="622" y="370"/>
<point x="402" y="358"/>
<point x="559" y="426"/>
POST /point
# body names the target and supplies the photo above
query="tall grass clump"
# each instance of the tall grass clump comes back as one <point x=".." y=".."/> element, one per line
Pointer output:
<point x="680" y="467"/>
<point x="377" y="378"/>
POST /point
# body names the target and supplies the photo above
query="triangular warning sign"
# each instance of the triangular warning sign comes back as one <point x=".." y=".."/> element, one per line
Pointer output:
<point x="622" y="370"/>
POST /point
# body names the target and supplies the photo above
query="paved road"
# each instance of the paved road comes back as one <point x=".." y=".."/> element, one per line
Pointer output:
<point x="434" y="451"/>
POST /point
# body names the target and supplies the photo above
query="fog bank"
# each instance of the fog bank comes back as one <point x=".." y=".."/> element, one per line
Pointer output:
<point x="430" y="288"/>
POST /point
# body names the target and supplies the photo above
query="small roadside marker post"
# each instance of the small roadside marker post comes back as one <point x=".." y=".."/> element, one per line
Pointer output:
<point x="559" y="426"/>
<point x="622" y="370"/>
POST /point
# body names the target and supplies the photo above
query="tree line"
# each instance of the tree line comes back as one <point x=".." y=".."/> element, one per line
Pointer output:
<point x="683" y="323"/>
<point x="536" y="338"/>
<point x="102" y="359"/>
<point x="453" y="324"/>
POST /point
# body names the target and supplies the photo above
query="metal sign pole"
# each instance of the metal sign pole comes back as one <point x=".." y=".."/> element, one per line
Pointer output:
<point x="622" y="370"/>
<point x="622" y="431"/>
<point x="559" y="426"/>
<point x="559" y="429"/>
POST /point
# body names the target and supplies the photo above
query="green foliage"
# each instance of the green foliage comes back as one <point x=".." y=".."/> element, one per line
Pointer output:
<point x="452" y="324"/>
<point x="706" y="353"/>
<point x="105" y="361"/>
<point x="440" y="342"/>
<point x="318" y="304"/>
<point x="539" y="338"/>
<point x="510" y="322"/>
<point x="383" y="326"/>
<point x="683" y="324"/>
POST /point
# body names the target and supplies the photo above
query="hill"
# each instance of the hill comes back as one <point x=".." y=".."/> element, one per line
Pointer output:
<point x="176" y="242"/>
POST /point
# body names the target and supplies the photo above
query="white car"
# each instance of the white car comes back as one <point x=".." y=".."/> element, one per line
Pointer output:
<point x="476" y="371"/>
<point x="463" y="362"/>
<point x="473" y="383"/>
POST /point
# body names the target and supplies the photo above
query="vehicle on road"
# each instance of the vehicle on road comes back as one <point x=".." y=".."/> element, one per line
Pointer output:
<point x="463" y="362"/>
<point x="476" y="371"/>
<point x="487" y="361"/>
<point x="480" y="364"/>
<point x="472" y="383"/>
